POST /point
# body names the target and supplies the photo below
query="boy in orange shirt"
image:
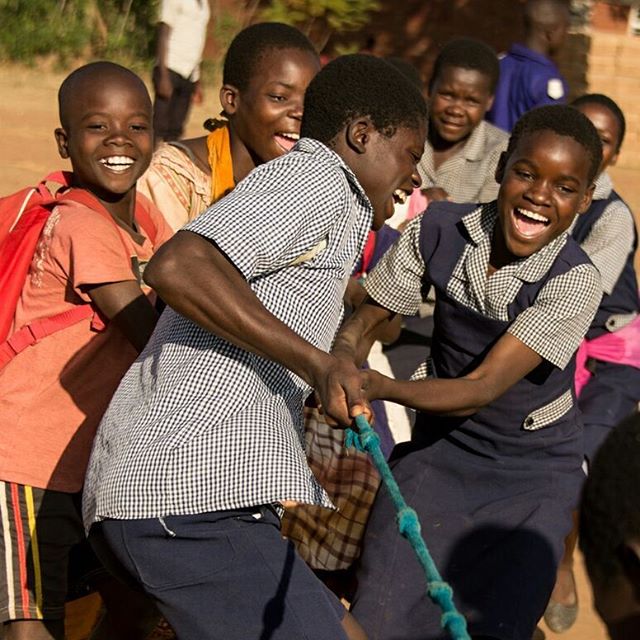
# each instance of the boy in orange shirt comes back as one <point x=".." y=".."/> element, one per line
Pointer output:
<point x="53" y="394"/>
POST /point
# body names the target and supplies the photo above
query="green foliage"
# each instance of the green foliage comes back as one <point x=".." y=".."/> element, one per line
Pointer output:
<point x="116" y="29"/>
<point x="31" y="28"/>
<point x="321" y="16"/>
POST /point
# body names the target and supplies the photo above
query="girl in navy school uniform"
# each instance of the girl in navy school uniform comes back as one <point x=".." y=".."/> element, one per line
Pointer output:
<point x="608" y="375"/>
<point x="494" y="464"/>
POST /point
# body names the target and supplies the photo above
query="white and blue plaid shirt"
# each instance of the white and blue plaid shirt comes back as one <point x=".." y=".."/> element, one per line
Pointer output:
<point x="201" y="425"/>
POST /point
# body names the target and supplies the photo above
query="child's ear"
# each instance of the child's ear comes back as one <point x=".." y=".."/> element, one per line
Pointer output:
<point x="614" y="158"/>
<point x="585" y="203"/>
<point x="62" y="140"/>
<point x="229" y="98"/>
<point x="502" y="163"/>
<point x="490" y="103"/>
<point x="359" y="133"/>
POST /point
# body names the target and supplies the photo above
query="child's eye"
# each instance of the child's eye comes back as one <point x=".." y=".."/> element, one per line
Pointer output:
<point x="96" y="126"/>
<point x="525" y="175"/>
<point x="277" y="98"/>
<point x="139" y="127"/>
<point x="566" y="189"/>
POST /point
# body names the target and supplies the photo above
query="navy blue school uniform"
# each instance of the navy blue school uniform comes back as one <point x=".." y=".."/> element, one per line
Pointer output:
<point x="528" y="79"/>
<point x="494" y="490"/>
<point x="607" y="233"/>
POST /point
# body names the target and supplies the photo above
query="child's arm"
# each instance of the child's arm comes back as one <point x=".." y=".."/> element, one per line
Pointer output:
<point x="128" y="308"/>
<point x="508" y="362"/>
<point x="195" y="278"/>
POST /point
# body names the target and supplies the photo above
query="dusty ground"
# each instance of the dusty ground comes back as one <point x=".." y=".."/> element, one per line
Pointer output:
<point x="28" y="116"/>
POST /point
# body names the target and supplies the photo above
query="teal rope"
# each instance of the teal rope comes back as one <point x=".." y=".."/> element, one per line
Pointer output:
<point x="409" y="525"/>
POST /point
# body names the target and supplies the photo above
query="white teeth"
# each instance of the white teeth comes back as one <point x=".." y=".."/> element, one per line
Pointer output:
<point x="400" y="195"/>
<point x="532" y="215"/>
<point x="118" y="161"/>
<point x="290" y="136"/>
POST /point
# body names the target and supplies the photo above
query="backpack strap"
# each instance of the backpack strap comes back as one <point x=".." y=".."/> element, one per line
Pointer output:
<point x="38" y="329"/>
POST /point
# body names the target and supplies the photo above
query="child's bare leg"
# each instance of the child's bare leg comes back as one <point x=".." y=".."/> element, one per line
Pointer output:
<point x="562" y="609"/>
<point x="352" y="628"/>
<point x="33" y="630"/>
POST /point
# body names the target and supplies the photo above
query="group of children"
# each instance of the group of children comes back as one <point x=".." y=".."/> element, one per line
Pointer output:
<point x="185" y="432"/>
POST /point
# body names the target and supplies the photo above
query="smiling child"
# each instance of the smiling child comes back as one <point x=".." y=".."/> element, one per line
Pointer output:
<point x="266" y="71"/>
<point x="494" y="464"/>
<point x="203" y="443"/>
<point x="53" y="394"/>
<point x="462" y="150"/>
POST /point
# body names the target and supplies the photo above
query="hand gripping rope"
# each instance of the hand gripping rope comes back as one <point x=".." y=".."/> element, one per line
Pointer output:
<point x="408" y="524"/>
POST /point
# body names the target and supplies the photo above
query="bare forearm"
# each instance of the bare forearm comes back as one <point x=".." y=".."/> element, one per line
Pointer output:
<point x="162" y="46"/>
<point x="360" y="331"/>
<point x="447" y="397"/>
<point x="198" y="281"/>
<point x="508" y="361"/>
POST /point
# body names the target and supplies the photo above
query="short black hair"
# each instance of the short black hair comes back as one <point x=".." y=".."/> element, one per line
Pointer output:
<point x="360" y="85"/>
<point x="610" y="505"/>
<point x="468" y="53"/>
<point x="407" y="69"/>
<point x="564" y="121"/>
<point x="103" y="69"/>
<point x="250" y="45"/>
<point x="606" y="102"/>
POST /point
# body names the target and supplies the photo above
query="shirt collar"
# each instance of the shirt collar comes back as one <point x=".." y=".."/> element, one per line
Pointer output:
<point x="473" y="149"/>
<point x="604" y="187"/>
<point x="325" y="154"/>
<point x="481" y="222"/>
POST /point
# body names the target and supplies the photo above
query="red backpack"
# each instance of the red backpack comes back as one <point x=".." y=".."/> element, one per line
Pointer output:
<point x="23" y="216"/>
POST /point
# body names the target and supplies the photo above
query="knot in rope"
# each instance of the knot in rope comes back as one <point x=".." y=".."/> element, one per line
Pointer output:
<point x="408" y="522"/>
<point x="409" y="525"/>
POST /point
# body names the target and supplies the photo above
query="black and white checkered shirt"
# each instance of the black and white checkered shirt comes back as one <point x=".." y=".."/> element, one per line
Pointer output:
<point x="201" y="425"/>
<point x="553" y="326"/>
<point x="611" y="238"/>
<point x="468" y="176"/>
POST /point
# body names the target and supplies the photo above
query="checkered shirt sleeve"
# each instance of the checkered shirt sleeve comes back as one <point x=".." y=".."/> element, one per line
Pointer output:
<point x="558" y="320"/>
<point x="267" y="247"/>
<point x="396" y="282"/>
<point x="609" y="243"/>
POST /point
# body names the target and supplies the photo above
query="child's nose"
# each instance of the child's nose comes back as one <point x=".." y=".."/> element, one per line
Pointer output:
<point x="538" y="192"/>
<point x="296" y="111"/>
<point x="118" y="135"/>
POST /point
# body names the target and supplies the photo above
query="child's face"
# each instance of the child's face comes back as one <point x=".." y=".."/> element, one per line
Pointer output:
<point x="543" y="184"/>
<point x="458" y="101"/>
<point x="108" y="135"/>
<point x="608" y="129"/>
<point x="387" y="169"/>
<point x="266" y="116"/>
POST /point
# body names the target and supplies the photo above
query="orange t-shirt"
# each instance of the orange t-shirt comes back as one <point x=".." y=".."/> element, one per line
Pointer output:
<point x="53" y="394"/>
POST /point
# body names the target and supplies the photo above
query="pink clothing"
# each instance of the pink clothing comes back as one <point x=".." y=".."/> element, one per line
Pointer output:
<point x="620" y="347"/>
<point x="53" y="394"/>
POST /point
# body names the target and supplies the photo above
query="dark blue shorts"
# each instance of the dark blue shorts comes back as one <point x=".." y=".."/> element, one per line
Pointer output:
<point x="227" y="575"/>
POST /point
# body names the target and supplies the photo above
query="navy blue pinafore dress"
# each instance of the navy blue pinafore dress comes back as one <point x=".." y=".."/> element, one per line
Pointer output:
<point x="494" y="491"/>
<point x="613" y="391"/>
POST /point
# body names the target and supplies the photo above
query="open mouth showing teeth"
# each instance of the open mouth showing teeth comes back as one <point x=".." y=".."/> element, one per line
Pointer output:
<point x="400" y="196"/>
<point x="287" y="139"/>
<point x="118" y="164"/>
<point x="529" y="223"/>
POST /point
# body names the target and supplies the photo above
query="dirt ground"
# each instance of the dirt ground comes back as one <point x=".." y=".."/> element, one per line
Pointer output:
<point x="28" y="116"/>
